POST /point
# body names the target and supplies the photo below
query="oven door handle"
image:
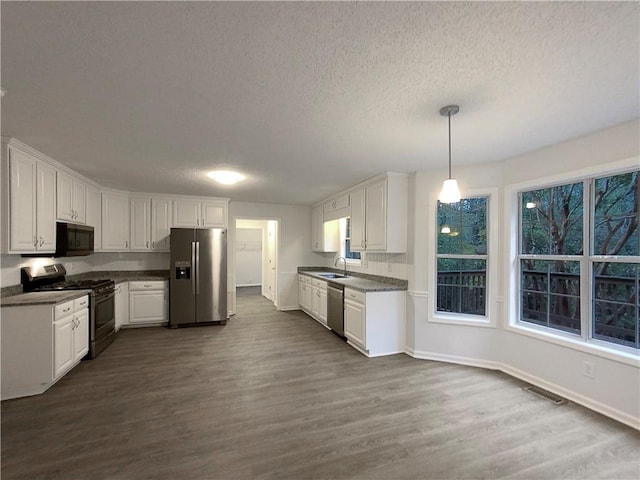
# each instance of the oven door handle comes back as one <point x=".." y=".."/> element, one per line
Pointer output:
<point x="105" y="297"/>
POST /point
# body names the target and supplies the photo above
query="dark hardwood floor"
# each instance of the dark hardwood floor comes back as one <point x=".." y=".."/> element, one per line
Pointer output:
<point x="274" y="395"/>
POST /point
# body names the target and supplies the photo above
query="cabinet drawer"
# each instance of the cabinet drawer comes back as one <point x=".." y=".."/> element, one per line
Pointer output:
<point x="80" y="303"/>
<point x="148" y="285"/>
<point x="304" y="279"/>
<point x="319" y="283"/>
<point x="355" y="296"/>
<point x="64" y="309"/>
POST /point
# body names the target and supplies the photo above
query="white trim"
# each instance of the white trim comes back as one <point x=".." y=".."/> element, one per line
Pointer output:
<point x="491" y="306"/>
<point x="418" y="294"/>
<point x="599" y="407"/>
<point x="455" y="359"/>
<point x="511" y="266"/>
<point x="461" y="319"/>
<point x="575" y="342"/>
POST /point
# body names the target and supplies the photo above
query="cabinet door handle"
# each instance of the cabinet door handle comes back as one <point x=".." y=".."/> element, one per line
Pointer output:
<point x="41" y="241"/>
<point x="153" y="244"/>
<point x="198" y="221"/>
<point x="203" y="221"/>
<point x="146" y="285"/>
<point x="147" y="243"/>
<point x="126" y="244"/>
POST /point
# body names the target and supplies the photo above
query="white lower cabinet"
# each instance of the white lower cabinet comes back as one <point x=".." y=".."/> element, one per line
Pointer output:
<point x="312" y="297"/>
<point x="148" y="303"/>
<point x="374" y="322"/>
<point x="40" y="344"/>
<point x="304" y="293"/>
<point x="70" y="334"/>
<point x="319" y="300"/>
<point x="121" y="306"/>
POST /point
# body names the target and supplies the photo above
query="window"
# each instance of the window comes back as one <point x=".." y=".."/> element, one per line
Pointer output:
<point x="348" y="254"/>
<point x="578" y="239"/>
<point x="461" y="257"/>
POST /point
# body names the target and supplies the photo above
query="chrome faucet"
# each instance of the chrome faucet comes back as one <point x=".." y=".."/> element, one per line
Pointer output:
<point x="335" y="264"/>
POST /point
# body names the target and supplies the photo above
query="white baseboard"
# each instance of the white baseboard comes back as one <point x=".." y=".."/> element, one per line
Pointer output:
<point x="575" y="397"/>
<point x="288" y="308"/>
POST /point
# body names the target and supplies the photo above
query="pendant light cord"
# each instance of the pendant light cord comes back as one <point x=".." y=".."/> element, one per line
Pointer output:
<point x="449" y="115"/>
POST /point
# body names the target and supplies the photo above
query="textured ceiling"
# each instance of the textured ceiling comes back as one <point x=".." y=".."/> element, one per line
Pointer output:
<point x="307" y="99"/>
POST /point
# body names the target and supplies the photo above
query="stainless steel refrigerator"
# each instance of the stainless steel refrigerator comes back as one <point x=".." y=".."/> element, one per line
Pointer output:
<point x="198" y="276"/>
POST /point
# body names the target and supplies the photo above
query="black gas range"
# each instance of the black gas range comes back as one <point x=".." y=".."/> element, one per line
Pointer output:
<point x="102" y="322"/>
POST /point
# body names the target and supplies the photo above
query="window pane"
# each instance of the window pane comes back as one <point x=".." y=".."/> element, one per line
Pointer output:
<point x="551" y="220"/>
<point x="347" y="243"/>
<point x="348" y="253"/>
<point x="616" y="308"/>
<point x="616" y="215"/>
<point x="462" y="227"/>
<point x="461" y="286"/>
<point x="550" y="294"/>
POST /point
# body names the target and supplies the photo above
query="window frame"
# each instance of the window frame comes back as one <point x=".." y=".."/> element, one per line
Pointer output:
<point x="489" y="319"/>
<point x="342" y="229"/>
<point x="511" y="307"/>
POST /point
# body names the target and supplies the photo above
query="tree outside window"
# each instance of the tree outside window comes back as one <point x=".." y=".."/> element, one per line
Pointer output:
<point x="552" y="258"/>
<point x="461" y="257"/>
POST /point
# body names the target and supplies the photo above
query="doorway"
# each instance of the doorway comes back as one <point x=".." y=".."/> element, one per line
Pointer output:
<point x="255" y="267"/>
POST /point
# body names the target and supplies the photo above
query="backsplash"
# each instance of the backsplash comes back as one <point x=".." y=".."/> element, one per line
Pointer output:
<point x="100" y="261"/>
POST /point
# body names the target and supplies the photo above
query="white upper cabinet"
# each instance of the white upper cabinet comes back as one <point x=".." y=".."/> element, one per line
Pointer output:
<point x="379" y="215"/>
<point x="161" y="222"/>
<point x="186" y="213"/>
<point x="29" y="200"/>
<point x="71" y="198"/>
<point x="115" y="221"/>
<point x="214" y="214"/>
<point x="94" y="215"/>
<point x="140" y="224"/>
<point x="150" y="224"/>
<point x="196" y="213"/>
<point x="46" y="207"/>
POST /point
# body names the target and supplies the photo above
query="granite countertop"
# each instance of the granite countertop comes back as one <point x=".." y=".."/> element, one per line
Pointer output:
<point x="42" y="298"/>
<point x="120" y="276"/>
<point x="357" y="281"/>
<point x="12" y="295"/>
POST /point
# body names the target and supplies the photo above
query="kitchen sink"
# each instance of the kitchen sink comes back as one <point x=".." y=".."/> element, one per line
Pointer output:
<point x="332" y="275"/>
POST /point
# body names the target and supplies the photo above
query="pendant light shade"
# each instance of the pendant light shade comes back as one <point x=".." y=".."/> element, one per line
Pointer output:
<point x="450" y="192"/>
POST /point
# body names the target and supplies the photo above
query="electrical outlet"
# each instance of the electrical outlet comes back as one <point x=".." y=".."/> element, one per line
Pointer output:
<point x="589" y="369"/>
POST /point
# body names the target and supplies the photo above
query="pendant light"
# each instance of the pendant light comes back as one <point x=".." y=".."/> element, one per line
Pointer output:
<point x="450" y="192"/>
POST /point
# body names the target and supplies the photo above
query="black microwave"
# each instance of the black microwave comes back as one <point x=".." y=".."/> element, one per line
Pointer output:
<point x="73" y="240"/>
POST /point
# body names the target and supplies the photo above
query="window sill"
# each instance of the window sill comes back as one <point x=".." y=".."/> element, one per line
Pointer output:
<point x="576" y="343"/>
<point x="459" y="319"/>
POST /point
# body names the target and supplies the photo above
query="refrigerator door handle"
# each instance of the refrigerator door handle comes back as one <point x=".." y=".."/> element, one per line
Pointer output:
<point x="197" y="268"/>
<point x="193" y="267"/>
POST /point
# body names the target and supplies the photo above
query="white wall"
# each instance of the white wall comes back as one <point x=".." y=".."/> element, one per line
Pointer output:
<point x="248" y="247"/>
<point x="616" y="389"/>
<point x="11" y="264"/>
<point x="294" y="244"/>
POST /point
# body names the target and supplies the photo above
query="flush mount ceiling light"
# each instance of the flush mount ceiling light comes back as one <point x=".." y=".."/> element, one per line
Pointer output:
<point x="450" y="192"/>
<point x="226" y="177"/>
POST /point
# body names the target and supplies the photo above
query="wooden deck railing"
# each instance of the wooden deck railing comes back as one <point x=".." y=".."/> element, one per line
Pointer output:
<point x="465" y="292"/>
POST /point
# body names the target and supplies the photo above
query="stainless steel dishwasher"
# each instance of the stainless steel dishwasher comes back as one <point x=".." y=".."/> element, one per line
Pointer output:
<point x="335" y="308"/>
